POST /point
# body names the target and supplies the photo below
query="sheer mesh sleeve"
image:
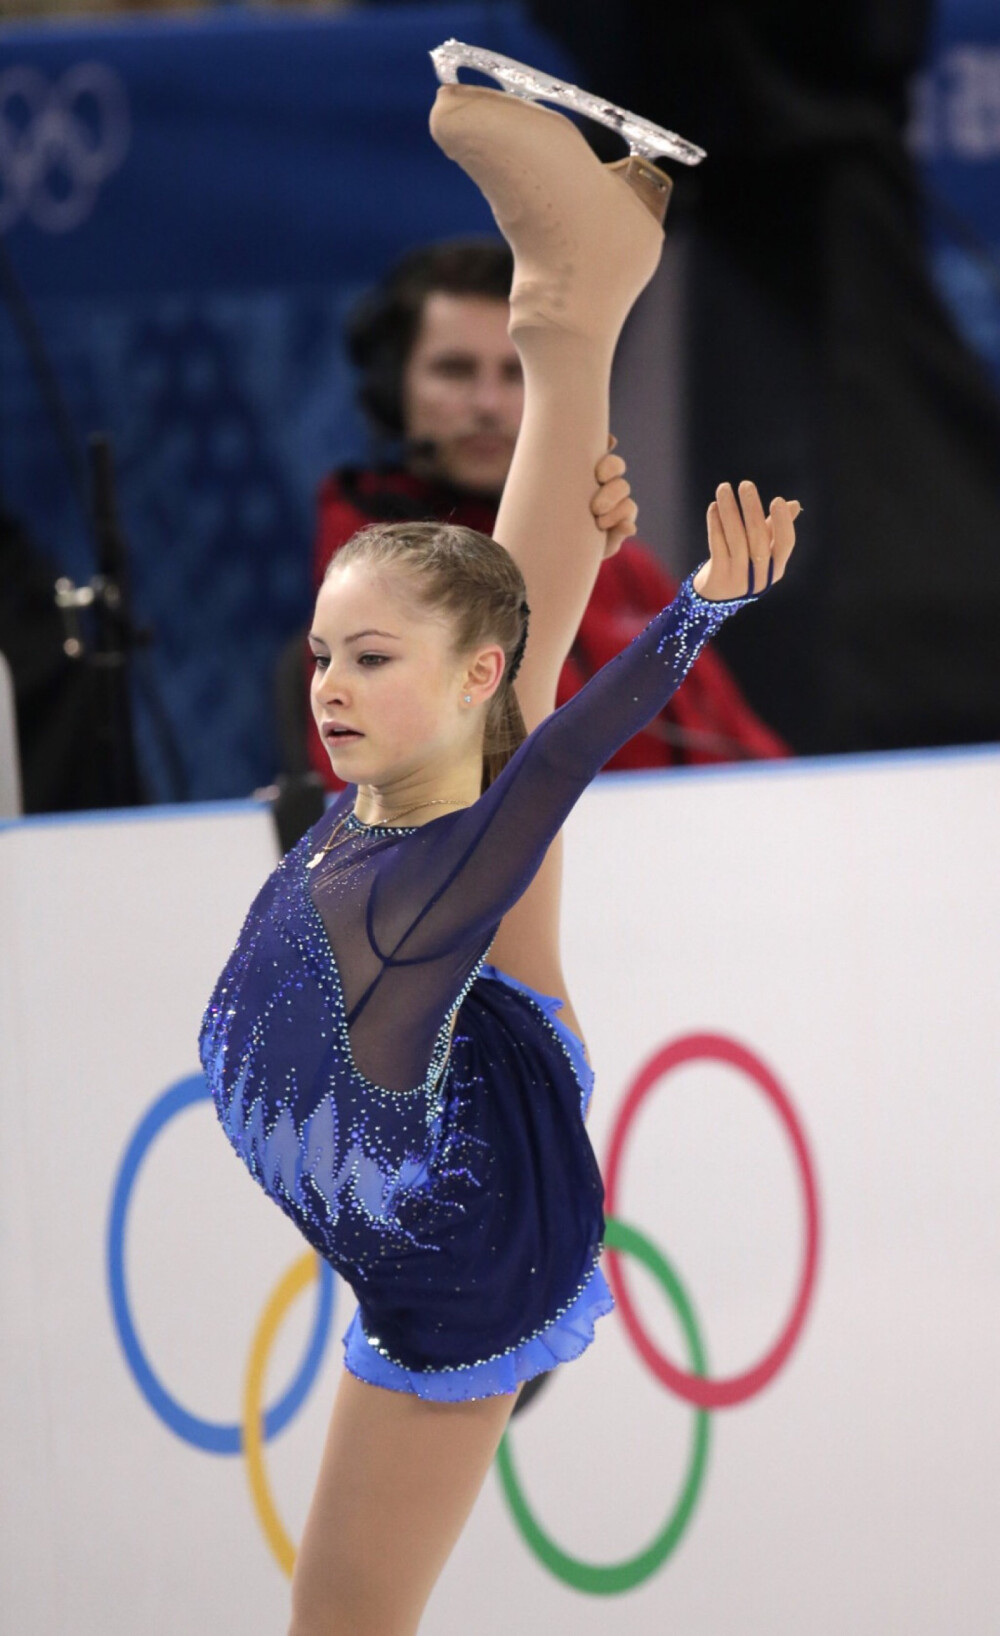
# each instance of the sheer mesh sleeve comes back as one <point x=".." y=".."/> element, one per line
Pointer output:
<point x="409" y="916"/>
<point x="465" y="871"/>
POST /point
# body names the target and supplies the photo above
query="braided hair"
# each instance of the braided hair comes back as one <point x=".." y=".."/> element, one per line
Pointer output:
<point x="522" y="642"/>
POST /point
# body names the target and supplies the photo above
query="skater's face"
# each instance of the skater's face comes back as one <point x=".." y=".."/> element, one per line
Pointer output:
<point x="388" y="689"/>
<point x="462" y="393"/>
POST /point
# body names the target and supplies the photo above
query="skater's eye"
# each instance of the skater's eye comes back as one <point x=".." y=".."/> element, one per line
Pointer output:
<point x="371" y="660"/>
<point x="321" y="660"/>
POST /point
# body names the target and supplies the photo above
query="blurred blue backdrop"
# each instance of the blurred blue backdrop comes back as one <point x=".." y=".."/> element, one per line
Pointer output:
<point x="192" y="206"/>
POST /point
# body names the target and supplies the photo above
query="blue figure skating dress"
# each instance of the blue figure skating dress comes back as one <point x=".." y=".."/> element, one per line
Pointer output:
<point x="417" y="1113"/>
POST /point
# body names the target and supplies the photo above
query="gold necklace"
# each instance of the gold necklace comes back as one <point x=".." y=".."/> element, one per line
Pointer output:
<point x="339" y="836"/>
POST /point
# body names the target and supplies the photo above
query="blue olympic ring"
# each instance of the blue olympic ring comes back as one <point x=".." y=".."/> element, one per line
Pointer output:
<point x="215" y="1437"/>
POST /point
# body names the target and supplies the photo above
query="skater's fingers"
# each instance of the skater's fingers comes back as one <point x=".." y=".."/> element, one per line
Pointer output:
<point x="616" y="537"/>
<point x="717" y="543"/>
<point x="610" y="495"/>
<point x="758" y="534"/>
<point x="732" y="524"/>
<point x="732" y="535"/>
<point x="609" y="465"/>
<point x="612" y="441"/>
<point x="783" y="515"/>
<point x="625" y="513"/>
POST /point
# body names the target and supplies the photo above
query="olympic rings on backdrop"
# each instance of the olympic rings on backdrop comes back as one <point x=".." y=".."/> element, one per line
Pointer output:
<point x="716" y="1394"/>
<point x="596" y="1579"/>
<point x="257" y="1425"/>
<point x="59" y="142"/>
<point x="296" y="1279"/>
<point x="610" y="1579"/>
<point x="213" y="1437"/>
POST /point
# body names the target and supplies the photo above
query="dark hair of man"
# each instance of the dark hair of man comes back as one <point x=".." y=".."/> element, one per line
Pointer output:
<point x="383" y="326"/>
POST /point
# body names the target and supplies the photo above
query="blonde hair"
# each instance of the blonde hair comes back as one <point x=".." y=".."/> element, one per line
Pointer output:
<point x="477" y="584"/>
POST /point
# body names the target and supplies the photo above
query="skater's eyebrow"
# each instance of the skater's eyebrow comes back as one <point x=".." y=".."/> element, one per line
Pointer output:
<point x="355" y="637"/>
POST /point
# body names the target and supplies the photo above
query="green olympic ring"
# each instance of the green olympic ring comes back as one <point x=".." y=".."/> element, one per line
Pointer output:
<point x="610" y="1579"/>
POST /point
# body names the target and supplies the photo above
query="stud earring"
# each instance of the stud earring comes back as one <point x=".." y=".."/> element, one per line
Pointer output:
<point x="466" y="698"/>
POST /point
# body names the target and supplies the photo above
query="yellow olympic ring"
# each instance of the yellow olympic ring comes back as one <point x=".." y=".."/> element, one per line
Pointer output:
<point x="299" y="1276"/>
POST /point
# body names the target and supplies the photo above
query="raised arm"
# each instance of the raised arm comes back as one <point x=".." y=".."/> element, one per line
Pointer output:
<point x="465" y="871"/>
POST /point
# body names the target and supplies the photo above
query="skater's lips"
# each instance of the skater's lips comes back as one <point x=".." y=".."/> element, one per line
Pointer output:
<point x="339" y="731"/>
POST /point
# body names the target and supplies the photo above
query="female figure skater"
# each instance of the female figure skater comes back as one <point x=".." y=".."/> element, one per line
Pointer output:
<point x="417" y="1112"/>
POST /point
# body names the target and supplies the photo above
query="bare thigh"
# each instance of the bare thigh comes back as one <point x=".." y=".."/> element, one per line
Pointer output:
<point x="397" y="1481"/>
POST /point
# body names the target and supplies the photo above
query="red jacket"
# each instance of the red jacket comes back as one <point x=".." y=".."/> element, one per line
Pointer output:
<point x="706" y="720"/>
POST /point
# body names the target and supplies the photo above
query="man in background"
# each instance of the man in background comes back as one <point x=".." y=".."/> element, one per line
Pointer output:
<point x="440" y="386"/>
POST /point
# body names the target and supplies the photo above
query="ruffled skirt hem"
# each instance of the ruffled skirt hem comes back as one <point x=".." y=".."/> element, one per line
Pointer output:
<point x="564" y="1339"/>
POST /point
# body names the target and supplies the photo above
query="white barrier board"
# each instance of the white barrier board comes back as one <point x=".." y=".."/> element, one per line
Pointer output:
<point x="788" y="980"/>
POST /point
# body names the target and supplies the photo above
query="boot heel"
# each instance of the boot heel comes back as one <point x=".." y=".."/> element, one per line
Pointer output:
<point x="650" y="185"/>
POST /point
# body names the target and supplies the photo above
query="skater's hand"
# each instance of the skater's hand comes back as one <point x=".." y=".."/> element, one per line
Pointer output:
<point x="613" y="507"/>
<point x="749" y="552"/>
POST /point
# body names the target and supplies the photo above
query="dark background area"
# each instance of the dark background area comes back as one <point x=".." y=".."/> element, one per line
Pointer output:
<point x="821" y="359"/>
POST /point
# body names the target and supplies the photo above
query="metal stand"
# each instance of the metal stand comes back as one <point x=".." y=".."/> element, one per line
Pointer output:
<point x="100" y="631"/>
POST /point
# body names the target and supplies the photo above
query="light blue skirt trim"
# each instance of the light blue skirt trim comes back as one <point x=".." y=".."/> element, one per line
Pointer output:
<point x="565" y="1338"/>
<point x="571" y="1043"/>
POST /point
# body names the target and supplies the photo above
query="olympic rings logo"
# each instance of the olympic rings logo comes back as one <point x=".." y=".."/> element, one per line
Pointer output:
<point x="693" y="1385"/>
<point x="258" y="1424"/>
<point x="58" y="143"/>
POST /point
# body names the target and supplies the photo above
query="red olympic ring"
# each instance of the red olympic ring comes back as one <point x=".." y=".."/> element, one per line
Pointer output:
<point x="696" y="1389"/>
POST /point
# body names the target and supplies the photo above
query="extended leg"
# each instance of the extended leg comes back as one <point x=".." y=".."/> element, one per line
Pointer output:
<point x="584" y="246"/>
<point x="397" y="1481"/>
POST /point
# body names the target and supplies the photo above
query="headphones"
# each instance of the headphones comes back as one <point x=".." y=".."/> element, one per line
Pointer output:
<point x="379" y="334"/>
